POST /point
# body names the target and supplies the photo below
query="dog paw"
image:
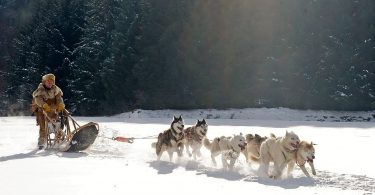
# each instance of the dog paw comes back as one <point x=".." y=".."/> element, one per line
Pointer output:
<point x="272" y="177"/>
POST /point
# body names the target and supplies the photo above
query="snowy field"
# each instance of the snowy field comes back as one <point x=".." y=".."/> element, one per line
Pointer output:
<point x="344" y="156"/>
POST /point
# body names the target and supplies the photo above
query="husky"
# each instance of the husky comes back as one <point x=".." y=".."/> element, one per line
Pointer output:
<point x="171" y="140"/>
<point x="193" y="138"/>
<point x="229" y="148"/>
<point x="253" y="146"/>
<point x="54" y="127"/>
<point x="280" y="150"/>
<point x="305" y="153"/>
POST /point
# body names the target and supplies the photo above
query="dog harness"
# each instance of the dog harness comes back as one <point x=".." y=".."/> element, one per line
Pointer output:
<point x="231" y="153"/>
<point x="304" y="161"/>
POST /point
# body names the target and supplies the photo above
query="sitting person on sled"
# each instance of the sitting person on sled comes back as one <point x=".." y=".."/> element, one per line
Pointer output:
<point x="46" y="98"/>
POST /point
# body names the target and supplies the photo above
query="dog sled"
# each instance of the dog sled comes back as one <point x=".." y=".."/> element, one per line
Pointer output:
<point x="65" y="134"/>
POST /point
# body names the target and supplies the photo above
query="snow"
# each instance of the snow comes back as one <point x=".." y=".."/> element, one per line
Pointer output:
<point x="344" y="156"/>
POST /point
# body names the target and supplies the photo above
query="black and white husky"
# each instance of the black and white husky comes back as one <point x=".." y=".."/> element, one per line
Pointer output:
<point x="171" y="140"/>
<point x="193" y="138"/>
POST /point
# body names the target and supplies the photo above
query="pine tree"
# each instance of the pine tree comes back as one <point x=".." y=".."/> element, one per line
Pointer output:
<point x="103" y="81"/>
<point x="42" y="47"/>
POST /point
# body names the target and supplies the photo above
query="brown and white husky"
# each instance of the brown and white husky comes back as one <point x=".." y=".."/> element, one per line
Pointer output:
<point x="253" y="146"/>
<point x="305" y="153"/>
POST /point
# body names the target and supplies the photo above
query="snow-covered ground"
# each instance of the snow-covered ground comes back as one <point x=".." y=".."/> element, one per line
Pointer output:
<point x="344" y="156"/>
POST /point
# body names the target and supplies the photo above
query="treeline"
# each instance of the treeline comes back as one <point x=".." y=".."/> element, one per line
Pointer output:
<point x="112" y="56"/>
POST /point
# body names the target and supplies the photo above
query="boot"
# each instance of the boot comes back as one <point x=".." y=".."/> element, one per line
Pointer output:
<point x="42" y="140"/>
<point x="42" y="143"/>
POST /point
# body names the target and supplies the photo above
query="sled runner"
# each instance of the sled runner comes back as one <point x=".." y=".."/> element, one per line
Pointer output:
<point x="65" y="134"/>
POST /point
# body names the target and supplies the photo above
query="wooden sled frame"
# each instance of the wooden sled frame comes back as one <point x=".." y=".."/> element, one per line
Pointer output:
<point x="64" y="136"/>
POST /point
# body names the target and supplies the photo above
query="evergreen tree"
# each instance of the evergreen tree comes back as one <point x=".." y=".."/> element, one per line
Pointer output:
<point x="42" y="47"/>
<point x="103" y="82"/>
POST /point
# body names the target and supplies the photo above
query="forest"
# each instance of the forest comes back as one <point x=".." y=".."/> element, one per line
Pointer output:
<point x="112" y="56"/>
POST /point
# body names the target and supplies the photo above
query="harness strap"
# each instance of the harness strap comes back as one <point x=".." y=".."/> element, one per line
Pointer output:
<point x="284" y="156"/>
<point x="304" y="162"/>
<point x="297" y="163"/>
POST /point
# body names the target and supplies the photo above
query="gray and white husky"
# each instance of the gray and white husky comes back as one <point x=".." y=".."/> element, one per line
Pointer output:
<point x="193" y="138"/>
<point x="171" y="140"/>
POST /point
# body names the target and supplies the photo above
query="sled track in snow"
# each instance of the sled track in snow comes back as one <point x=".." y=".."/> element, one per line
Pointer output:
<point x="323" y="179"/>
<point x="345" y="181"/>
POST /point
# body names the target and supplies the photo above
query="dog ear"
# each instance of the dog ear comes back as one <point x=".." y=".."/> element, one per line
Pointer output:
<point x="198" y="122"/>
<point x="204" y="121"/>
<point x="249" y="137"/>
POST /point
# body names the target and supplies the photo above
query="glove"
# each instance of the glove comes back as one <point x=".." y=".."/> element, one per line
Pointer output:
<point x="46" y="107"/>
<point x="60" y="107"/>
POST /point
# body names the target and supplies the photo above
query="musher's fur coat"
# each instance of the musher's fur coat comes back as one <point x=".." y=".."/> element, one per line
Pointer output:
<point x="42" y="95"/>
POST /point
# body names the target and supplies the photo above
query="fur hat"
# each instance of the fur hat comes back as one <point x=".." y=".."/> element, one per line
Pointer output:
<point x="49" y="76"/>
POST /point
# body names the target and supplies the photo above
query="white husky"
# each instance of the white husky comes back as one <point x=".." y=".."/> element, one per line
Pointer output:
<point x="279" y="150"/>
<point x="229" y="148"/>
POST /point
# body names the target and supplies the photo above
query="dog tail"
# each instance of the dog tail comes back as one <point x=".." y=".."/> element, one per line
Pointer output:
<point x="206" y="143"/>
<point x="154" y="144"/>
<point x="158" y="144"/>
